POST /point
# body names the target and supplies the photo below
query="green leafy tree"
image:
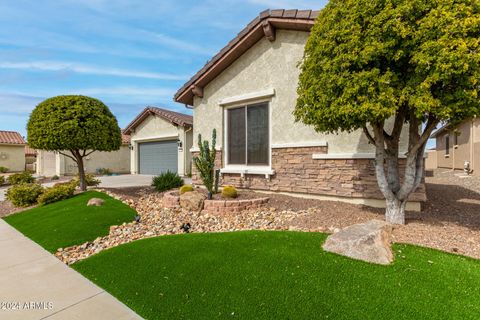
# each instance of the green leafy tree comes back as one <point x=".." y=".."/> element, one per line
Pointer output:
<point x="205" y="163"/>
<point x="74" y="126"/>
<point x="415" y="62"/>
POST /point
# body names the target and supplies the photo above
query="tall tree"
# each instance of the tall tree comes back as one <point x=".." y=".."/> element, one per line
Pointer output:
<point x="415" y="62"/>
<point x="74" y="126"/>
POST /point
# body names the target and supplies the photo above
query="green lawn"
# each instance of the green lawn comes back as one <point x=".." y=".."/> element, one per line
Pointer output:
<point x="70" y="222"/>
<point x="281" y="275"/>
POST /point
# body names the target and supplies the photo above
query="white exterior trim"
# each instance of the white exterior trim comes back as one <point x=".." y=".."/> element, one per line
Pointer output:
<point x="195" y="149"/>
<point x="247" y="97"/>
<point x="243" y="170"/>
<point x="155" y="138"/>
<point x="300" y="145"/>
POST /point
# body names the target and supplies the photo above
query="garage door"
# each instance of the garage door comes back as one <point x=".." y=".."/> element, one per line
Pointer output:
<point x="157" y="157"/>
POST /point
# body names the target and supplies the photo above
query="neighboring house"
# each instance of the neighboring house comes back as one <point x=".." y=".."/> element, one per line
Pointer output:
<point x="459" y="146"/>
<point x="51" y="163"/>
<point x="431" y="159"/>
<point x="30" y="159"/>
<point x="12" y="151"/>
<point x="247" y="92"/>
<point x="160" y="141"/>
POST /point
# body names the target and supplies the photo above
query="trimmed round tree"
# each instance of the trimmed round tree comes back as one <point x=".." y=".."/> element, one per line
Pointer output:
<point x="74" y="126"/>
<point x="415" y="63"/>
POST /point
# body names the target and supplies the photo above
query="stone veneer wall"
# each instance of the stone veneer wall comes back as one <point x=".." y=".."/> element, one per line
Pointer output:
<point x="296" y="171"/>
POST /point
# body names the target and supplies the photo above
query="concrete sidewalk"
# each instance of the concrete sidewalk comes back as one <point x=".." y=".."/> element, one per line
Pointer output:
<point x="45" y="288"/>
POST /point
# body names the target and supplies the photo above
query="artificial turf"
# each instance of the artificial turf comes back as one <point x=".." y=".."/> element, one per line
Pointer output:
<point x="71" y="222"/>
<point x="281" y="275"/>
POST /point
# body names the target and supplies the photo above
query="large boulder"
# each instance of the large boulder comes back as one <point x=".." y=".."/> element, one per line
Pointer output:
<point x="368" y="241"/>
<point x="192" y="201"/>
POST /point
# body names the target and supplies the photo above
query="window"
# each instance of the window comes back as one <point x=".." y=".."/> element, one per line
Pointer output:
<point x="248" y="135"/>
<point x="447" y="145"/>
<point x="455" y="139"/>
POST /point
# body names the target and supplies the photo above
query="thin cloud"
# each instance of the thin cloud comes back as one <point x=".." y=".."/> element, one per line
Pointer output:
<point x="88" y="69"/>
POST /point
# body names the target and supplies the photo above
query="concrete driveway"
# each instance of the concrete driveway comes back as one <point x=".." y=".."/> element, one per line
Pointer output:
<point x="126" y="180"/>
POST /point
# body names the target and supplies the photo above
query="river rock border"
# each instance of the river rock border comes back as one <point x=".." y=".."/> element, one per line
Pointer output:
<point x="170" y="200"/>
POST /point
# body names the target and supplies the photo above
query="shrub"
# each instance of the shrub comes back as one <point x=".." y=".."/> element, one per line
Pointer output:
<point x="90" y="180"/>
<point x="59" y="191"/>
<point x="2" y="180"/>
<point x="186" y="188"/>
<point x="55" y="177"/>
<point x="229" y="192"/>
<point x="3" y="169"/>
<point x="104" y="172"/>
<point x="21" y="178"/>
<point x="24" y="194"/>
<point x="166" y="181"/>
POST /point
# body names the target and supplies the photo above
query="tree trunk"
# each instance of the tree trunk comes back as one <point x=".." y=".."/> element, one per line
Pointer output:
<point x="395" y="212"/>
<point x="81" y="169"/>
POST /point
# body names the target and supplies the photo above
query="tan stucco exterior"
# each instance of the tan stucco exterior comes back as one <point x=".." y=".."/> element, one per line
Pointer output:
<point x="50" y="163"/>
<point x="12" y="157"/>
<point x="154" y="128"/>
<point x="467" y="148"/>
<point x="265" y="66"/>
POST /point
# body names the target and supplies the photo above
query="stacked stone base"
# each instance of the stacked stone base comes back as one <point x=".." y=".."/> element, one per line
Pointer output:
<point x="297" y="172"/>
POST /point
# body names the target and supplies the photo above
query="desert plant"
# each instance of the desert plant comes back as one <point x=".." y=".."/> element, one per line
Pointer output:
<point x="79" y="124"/>
<point x="90" y="180"/>
<point x="229" y="192"/>
<point x="205" y="162"/>
<point x="55" y="177"/>
<point x="104" y="171"/>
<point x="2" y="180"/>
<point x="58" y="192"/>
<point x="3" y="169"/>
<point x="18" y="178"/>
<point x="186" y="188"/>
<point x="166" y="181"/>
<point x="24" y="194"/>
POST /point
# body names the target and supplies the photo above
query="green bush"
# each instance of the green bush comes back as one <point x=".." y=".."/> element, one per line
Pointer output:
<point x="2" y="180"/>
<point x="24" y="194"/>
<point x="229" y="192"/>
<point x="59" y="191"/>
<point x="186" y="188"/>
<point x="21" y="178"/>
<point x="90" y="180"/>
<point x="3" y="169"/>
<point x="166" y="181"/>
<point x="104" y="172"/>
<point x="55" y="177"/>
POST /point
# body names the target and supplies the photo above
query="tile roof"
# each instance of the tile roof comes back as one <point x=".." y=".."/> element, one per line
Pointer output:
<point x="11" y="137"/>
<point x="176" y="118"/>
<point x="125" y="138"/>
<point x="259" y="27"/>
<point x="30" y="152"/>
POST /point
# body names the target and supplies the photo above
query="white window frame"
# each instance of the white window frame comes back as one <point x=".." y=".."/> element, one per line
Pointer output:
<point x="240" y="168"/>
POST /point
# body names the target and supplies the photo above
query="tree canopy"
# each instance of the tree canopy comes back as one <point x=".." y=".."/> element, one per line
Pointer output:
<point x="73" y="122"/>
<point x="365" y="60"/>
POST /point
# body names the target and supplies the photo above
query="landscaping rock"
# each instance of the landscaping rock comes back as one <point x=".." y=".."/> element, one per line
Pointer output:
<point x="368" y="241"/>
<point x="95" y="202"/>
<point x="192" y="201"/>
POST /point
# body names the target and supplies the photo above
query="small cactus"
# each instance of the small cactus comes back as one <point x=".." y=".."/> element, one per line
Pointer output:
<point x="186" y="188"/>
<point x="229" y="192"/>
<point x="205" y="162"/>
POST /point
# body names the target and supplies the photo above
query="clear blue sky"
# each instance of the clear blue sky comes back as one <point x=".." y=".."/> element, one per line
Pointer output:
<point x="127" y="53"/>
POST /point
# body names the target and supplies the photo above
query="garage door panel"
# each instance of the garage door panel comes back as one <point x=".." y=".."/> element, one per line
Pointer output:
<point x="158" y="156"/>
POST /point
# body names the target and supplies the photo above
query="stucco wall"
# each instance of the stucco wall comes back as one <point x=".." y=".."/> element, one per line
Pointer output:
<point x="12" y="157"/>
<point x="50" y="164"/>
<point x="155" y="128"/>
<point x="271" y="65"/>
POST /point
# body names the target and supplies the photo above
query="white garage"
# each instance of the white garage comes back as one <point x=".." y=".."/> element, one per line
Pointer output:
<point x="160" y="142"/>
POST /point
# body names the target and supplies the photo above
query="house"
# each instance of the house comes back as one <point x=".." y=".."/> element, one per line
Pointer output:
<point x="458" y="146"/>
<point x="12" y="151"/>
<point x="30" y="159"/>
<point x="247" y="92"/>
<point x="51" y="163"/>
<point x="160" y="141"/>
